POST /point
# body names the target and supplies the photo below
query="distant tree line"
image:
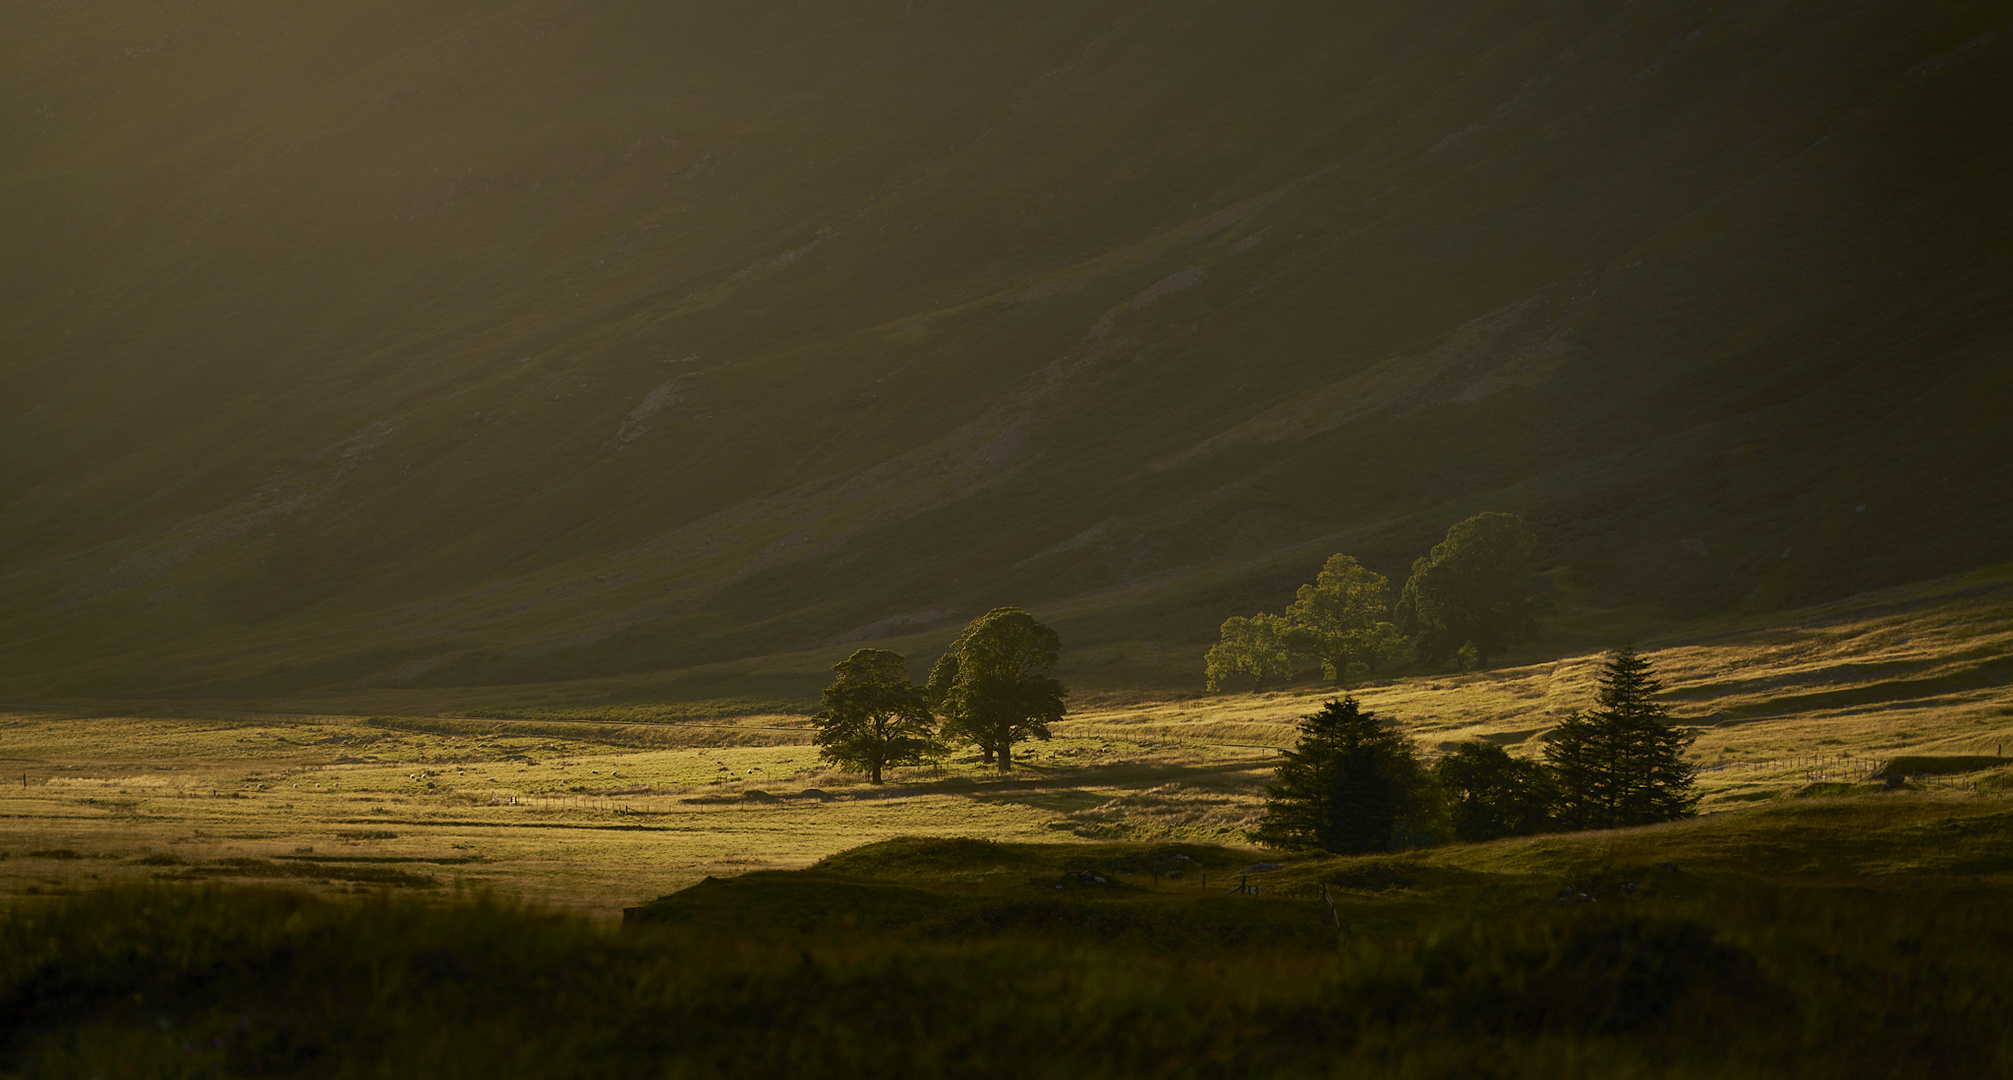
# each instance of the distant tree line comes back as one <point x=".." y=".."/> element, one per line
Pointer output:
<point x="1354" y="783"/>
<point x="990" y="690"/>
<point x="1468" y="599"/>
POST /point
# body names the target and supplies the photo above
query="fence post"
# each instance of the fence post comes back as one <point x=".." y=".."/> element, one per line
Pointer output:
<point x="1334" y="916"/>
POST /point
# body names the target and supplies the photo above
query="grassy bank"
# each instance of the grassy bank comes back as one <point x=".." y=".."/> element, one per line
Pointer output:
<point x="1643" y="954"/>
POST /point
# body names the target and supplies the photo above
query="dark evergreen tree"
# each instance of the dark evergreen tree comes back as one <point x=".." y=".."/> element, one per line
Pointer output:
<point x="1350" y="784"/>
<point x="1475" y="588"/>
<point x="1491" y="794"/>
<point x="1622" y="763"/>
<point x="1581" y="754"/>
<point x="874" y="716"/>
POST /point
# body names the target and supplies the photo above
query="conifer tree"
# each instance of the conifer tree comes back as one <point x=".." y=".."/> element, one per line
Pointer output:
<point x="1350" y="784"/>
<point x="1622" y="763"/>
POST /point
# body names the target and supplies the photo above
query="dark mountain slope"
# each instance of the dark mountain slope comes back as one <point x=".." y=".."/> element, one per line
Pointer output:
<point x="444" y="342"/>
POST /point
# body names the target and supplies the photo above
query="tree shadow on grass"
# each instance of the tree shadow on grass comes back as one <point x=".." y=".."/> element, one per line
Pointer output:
<point x="1045" y="794"/>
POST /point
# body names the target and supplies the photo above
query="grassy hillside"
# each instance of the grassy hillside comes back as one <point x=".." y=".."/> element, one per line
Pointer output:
<point x="388" y="346"/>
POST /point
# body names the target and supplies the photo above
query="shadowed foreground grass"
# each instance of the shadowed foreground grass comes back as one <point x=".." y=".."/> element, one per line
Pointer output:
<point x="1687" y="974"/>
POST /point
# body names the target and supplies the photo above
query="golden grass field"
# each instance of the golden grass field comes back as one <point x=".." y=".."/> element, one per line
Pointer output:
<point x="595" y="817"/>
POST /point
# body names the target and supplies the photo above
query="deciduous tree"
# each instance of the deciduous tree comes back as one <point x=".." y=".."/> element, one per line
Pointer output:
<point x="1491" y="794"/>
<point x="992" y="687"/>
<point x="1343" y="620"/>
<point x="874" y="717"/>
<point x="1475" y="587"/>
<point x="1252" y="647"/>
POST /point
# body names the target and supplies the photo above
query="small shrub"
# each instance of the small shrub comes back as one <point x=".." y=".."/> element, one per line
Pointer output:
<point x="1592" y="977"/>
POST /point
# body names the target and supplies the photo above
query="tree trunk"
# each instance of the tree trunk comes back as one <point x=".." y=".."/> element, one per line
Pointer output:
<point x="1006" y="760"/>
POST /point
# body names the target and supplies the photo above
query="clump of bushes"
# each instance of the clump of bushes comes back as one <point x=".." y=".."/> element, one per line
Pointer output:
<point x="1354" y="784"/>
